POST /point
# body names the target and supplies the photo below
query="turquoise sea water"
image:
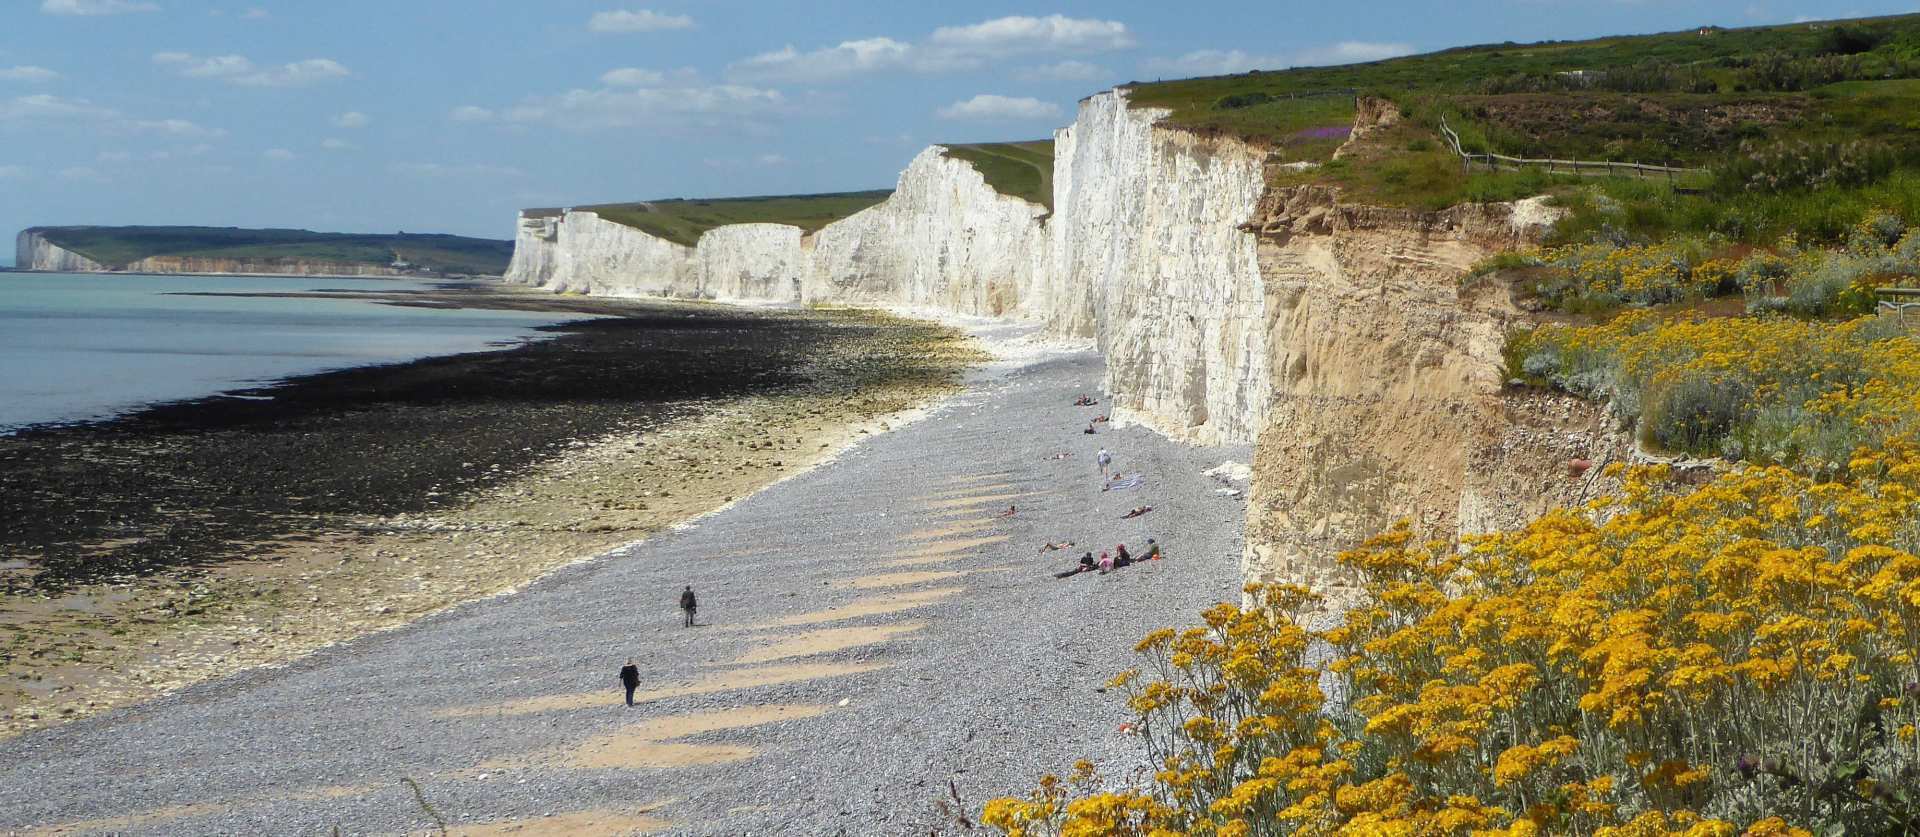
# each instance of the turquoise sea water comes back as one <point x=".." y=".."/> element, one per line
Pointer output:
<point x="75" y="347"/>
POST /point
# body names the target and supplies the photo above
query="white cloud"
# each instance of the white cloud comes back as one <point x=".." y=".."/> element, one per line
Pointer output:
<point x="27" y="73"/>
<point x="471" y="170"/>
<point x="255" y="14"/>
<point x="7" y="172"/>
<point x="1068" y="70"/>
<point x="771" y="159"/>
<point x="1018" y="34"/>
<point x="1350" y="52"/>
<point x="948" y="49"/>
<point x="987" y="106"/>
<point x="238" y="69"/>
<point x="1215" y="62"/>
<point x="643" y="20"/>
<point x="471" y="113"/>
<point x="41" y="108"/>
<point x="114" y="156"/>
<point x="848" y="58"/>
<point x="662" y="108"/>
<point x="333" y="144"/>
<point x="95" y="8"/>
<point x="44" y="109"/>
<point x="176" y="128"/>
<point x="632" y="77"/>
<point x="278" y="154"/>
<point x="83" y="174"/>
<point x="351" y="119"/>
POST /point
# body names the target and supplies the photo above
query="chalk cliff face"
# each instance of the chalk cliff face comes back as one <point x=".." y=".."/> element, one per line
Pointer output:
<point x="945" y="240"/>
<point x="591" y="255"/>
<point x="1337" y="338"/>
<point x="1149" y="251"/>
<point x="32" y="251"/>
<point x="536" y="249"/>
<point x="750" y="262"/>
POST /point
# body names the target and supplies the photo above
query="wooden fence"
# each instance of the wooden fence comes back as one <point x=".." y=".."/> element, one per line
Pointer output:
<point x="1581" y="168"/>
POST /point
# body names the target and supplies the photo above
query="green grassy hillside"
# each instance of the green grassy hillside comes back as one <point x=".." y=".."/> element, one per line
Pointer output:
<point x="682" y="221"/>
<point x="1020" y="169"/>
<point x="1801" y="126"/>
<point x="119" y="246"/>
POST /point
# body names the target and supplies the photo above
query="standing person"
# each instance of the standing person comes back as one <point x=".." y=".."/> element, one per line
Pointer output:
<point x="689" y="604"/>
<point x="630" y="678"/>
<point x="1103" y="459"/>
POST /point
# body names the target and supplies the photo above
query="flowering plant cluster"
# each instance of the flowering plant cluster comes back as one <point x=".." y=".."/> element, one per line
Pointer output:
<point x="1771" y="390"/>
<point x="1880" y="251"/>
<point x="1606" y="274"/>
<point x="1737" y="658"/>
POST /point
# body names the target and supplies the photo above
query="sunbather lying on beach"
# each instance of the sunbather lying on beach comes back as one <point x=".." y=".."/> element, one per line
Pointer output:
<point x="1086" y="565"/>
<point x="1061" y="456"/>
<point x="1137" y="512"/>
<point x="1122" y="481"/>
<point x="1089" y="430"/>
<point x="1084" y="401"/>
<point x="1051" y="546"/>
<point x="1011" y="511"/>
<point x="1098" y="419"/>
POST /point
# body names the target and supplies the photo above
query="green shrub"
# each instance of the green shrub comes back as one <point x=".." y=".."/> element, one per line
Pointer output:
<point x="1800" y="165"/>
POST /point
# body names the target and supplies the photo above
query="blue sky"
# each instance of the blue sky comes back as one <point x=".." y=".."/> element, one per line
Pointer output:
<point x="443" y="116"/>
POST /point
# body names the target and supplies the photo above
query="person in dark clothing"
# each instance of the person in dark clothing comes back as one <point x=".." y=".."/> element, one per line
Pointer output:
<point x="1153" y="551"/>
<point x="689" y="604"/>
<point x="1121" y="557"/>
<point x="630" y="678"/>
<point x="1086" y="565"/>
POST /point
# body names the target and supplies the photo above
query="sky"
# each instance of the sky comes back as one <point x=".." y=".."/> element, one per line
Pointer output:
<point x="448" y="115"/>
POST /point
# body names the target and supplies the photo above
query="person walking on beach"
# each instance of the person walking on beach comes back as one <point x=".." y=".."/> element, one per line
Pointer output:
<point x="1103" y="459"/>
<point x="689" y="604"/>
<point x="630" y="678"/>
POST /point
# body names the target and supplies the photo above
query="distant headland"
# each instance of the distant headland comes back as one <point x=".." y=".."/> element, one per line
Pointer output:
<point x="263" y="251"/>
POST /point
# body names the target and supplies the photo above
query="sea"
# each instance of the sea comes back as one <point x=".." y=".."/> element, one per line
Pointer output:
<point x="79" y="347"/>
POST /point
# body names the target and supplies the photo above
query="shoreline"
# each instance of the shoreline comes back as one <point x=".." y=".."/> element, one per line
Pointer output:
<point x="475" y="295"/>
<point x="315" y="577"/>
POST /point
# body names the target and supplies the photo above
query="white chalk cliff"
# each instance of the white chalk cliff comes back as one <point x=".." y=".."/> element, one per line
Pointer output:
<point x="1336" y="338"/>
<point x="32" y="251"/>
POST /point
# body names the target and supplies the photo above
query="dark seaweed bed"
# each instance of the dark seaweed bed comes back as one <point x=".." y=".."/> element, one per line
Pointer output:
<point x="189" y="483"/>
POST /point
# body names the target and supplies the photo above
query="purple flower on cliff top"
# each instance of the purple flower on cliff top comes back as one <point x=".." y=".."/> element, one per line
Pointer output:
<point x="1328" y="132"/>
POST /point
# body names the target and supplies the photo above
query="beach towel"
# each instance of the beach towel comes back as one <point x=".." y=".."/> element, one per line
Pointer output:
<point x="1131" y="481"/>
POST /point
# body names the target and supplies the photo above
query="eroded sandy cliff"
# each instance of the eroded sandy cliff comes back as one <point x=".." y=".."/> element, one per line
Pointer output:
<point x="1388" y="401"/>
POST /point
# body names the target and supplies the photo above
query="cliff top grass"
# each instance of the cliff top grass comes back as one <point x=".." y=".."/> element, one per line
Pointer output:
<point x="1517" y="82"/>
<point x="1801" y="128"/>
<point x="682" y="221"/>
<point x="119" y="246"/>
<point x="1022" y="170"/>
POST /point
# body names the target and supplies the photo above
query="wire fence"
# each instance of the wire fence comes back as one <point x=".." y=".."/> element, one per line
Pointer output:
<point x="1581" y="168"/>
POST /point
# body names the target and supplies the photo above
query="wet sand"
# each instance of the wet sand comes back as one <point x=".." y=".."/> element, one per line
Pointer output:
<point x="144" y="554"/>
